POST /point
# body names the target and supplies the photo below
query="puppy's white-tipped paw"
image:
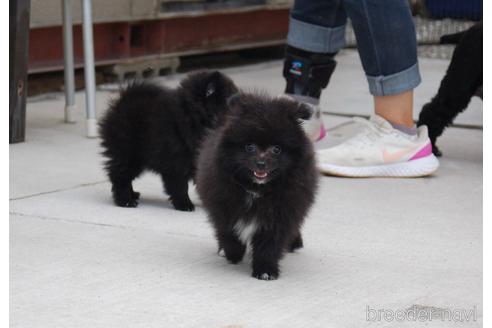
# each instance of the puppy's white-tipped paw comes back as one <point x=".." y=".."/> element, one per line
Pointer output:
<point x="266" y="276"/>
<point x="221" y="253"/>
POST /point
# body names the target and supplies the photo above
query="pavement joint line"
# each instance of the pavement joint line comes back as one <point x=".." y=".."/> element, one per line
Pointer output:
<point x="48" y="218"/>
<point x="83" y="185"/>
<point x="67" y="220"/>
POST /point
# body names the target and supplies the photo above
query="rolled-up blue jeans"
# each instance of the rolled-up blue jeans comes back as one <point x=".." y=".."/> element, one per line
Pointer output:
<point x="383" y="29"/>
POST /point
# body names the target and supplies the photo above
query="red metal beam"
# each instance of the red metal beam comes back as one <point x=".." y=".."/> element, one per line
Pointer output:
<point x="124" y="40"/>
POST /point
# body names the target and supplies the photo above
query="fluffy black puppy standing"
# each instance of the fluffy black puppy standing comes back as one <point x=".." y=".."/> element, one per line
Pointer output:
<point x="257" y="180"/>
<point x="159" y="129"/>
<point x="463" y="80"/>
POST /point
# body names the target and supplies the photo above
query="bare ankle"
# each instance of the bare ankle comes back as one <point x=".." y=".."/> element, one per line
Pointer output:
<point x="397" y="109"/>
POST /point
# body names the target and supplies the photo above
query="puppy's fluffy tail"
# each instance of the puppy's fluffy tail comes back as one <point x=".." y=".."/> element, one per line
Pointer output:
<point x="123" y="122"/>
<point x="135" y="94"/>
<point x="451" y="38"/>
<point x="455" y="38"/>
<point x="133" y="99"/>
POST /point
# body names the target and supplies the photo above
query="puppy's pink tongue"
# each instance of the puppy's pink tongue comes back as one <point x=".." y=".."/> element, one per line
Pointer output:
<point x="261" y="174"/>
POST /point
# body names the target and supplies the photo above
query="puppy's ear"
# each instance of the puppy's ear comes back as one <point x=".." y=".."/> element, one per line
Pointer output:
<point x="234" y="100"/>
<point x="303" y="111"/>
<point x="296" y="109"/>
<point x="213" y="83"/>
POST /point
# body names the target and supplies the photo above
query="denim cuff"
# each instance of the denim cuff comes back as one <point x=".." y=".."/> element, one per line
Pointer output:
<point x="396" y="83"/>
<point x="315" y="38"/>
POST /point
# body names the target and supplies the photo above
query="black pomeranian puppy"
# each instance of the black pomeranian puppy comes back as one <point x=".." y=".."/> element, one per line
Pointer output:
<point x="257" y="180"/>
<point x="463" y="80"/>
<point x="159" y="129"/>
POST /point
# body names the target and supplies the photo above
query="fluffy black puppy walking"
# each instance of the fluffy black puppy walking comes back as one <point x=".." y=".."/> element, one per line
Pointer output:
<point x="159" y="129"/>
<point x="463" y="80"/>
<point x="257" y="180"/>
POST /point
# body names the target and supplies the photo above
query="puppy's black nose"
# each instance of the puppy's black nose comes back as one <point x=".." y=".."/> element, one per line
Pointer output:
<point x="260" y="164"/>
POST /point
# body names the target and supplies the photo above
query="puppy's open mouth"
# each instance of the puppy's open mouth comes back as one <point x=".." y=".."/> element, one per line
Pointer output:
<point x="260" y="174"/>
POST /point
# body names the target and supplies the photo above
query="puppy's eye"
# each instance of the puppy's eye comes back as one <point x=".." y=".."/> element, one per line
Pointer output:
<point x="250" y="148"/>
<point x="276" y="150"/>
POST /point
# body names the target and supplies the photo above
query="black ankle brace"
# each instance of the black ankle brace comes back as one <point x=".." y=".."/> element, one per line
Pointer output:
<point x="307" y="73"/>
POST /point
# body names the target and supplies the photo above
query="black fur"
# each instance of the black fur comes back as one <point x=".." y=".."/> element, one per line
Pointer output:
<point x="277" y="203"/>
<point x="159" y="129"/>
<point x="463" y="80"/>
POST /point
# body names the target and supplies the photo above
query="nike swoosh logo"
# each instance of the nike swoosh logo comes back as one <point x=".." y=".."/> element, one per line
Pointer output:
<point x="395" y="156"/>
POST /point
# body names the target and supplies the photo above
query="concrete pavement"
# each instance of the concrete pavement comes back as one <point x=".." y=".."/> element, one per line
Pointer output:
<point x="372" y="246"/>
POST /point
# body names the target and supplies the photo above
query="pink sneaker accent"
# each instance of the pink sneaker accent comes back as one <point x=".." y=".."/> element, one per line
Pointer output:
<point x="322" y="132"/>
<point x="426" y="151"/>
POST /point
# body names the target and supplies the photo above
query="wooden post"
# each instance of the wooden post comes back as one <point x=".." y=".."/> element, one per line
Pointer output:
<point x="19" y="11"/>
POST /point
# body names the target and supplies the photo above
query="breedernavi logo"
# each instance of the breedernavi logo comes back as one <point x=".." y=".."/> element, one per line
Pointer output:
<point x="421" y="313"/>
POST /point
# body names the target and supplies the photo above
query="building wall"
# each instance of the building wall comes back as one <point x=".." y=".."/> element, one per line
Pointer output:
<point x="46" y="13"/>
<point x="49" y="12"/>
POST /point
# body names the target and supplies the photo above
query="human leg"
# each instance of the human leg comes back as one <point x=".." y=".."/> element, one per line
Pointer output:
<point x="388" y="145"/>
<point x="316" y="33"/>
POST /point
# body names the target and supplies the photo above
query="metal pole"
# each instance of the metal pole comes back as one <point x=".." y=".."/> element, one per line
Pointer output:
<point x="68" y="61"/>
<point x="19" y="16"/>
<point x="89" y="70"/>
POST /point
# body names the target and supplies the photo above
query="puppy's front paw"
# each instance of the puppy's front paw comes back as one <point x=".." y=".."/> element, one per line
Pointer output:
<point x="184" y="205"/>
<point x="265" y="276"/>
<point x="235" y="255"/>
<point x="126" y="202"/>
<point x="265" y="272"/>
<point x="296" y="244"/>
<point x="125" y="197"/>
<point x="436" y="151"/>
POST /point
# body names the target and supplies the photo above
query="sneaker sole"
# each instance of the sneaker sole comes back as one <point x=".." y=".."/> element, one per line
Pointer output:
<point x="416" y="168"/>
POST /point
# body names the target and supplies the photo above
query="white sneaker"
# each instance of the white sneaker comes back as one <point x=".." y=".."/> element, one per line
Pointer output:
<point x="380" y="150"/>
<point x="313" y="127"/>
